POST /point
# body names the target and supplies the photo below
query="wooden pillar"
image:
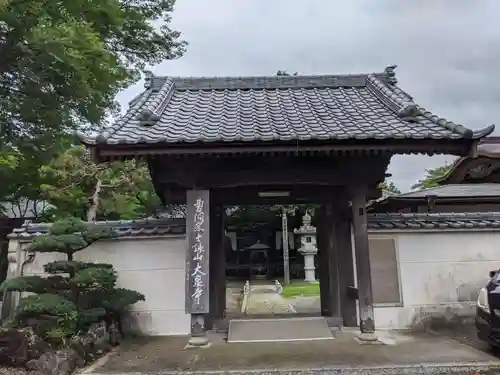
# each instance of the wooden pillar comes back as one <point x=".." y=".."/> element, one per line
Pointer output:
<point x="346" y="265"/>
<point x="323" y="256"/>
<point x="365" y="294"/>
<point x="328" y="264"/>
<point x="218" y="270"/>
<point x="198" y="263"/>
<point x="217" y="282"/>
<point x="332" y="261"/>
<point x="211" y="317"/>
<point x="225" y="241"/>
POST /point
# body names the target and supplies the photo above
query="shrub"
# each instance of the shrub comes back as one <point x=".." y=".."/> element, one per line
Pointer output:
<point x="75" y="294"/>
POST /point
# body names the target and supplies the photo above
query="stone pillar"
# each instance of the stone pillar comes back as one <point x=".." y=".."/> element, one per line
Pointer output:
<point x="197" y="264"/>
<point x="308" y="247"/>
<point x="363" y="268"/>
<point x="309" y="267"/>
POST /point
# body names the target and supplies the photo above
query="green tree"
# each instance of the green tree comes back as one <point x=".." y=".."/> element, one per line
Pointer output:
<point x="76" y="186"/>
<point x="389" y="186"/>
<point x="63" y="62"/>
<point x="21" y="177"/>
<point x="432" y="177"/>
<point x="75" y="294"/>
<point x="20" y="194"/>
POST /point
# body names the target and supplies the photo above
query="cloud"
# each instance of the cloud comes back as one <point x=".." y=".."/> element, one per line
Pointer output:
<point x="448" y="51"/>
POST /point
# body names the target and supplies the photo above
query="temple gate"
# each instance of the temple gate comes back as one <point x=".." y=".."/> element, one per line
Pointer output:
<point x="327" y="140"/>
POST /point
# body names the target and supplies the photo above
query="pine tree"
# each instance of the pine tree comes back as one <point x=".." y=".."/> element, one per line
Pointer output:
<point x="74" y="294"/>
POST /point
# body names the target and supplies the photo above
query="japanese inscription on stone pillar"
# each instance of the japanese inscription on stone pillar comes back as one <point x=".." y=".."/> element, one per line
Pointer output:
<point x="197" y="252"/>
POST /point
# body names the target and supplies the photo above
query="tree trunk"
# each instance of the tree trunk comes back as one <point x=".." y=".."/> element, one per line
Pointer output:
<point x="94" y="202"/>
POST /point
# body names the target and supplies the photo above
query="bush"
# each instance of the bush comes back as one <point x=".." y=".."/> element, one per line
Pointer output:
<point x="75" y="294"/>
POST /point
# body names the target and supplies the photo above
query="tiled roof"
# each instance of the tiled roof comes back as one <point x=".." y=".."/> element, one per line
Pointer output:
<point x="454" y="191"/>
<point x="277" y="108"/>
<point x="391" y="221"/>
<point x="123" y="228"/>
<point x="416" y="221"/>
<point x="479" y="166"/>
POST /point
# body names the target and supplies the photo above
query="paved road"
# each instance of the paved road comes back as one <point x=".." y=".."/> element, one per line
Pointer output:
<point x="466" y="334"/>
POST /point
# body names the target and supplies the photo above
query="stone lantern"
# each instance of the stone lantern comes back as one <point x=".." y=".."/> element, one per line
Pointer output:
<point x="308" y="247"/>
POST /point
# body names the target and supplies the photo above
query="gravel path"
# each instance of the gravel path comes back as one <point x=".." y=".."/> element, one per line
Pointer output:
<point x="263" y="299"/>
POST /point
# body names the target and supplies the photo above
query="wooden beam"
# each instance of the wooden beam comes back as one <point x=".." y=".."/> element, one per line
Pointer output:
<point x="261" y="171"/>
<point x="297" y="194"/>
<point x="430" y="147"/>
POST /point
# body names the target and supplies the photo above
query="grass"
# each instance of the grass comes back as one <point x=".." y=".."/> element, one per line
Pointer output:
<point x="300" y="290"/>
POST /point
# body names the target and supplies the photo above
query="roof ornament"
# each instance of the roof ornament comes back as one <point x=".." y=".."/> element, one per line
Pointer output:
<point x="390" y="71"/>
<point x="409" y="112"/>
<point x="148" y="117"/>
<point x="148" y="79"/>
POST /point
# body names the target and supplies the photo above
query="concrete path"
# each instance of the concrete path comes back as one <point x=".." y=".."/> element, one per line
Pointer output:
<point x="403" y="354"/>
<point x="263" y="300"/>
<point x="306" y="305"/>
<point x="278" y="330"/>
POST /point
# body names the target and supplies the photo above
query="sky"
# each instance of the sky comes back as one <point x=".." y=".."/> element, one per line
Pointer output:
<point x="447" y="51"/>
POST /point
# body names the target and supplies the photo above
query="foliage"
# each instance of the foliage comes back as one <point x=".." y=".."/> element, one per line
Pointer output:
<point x="120" y="299"/>
<point x="76" y="294"/>
<point x="21" y="177"/>
<point x="389" y="186"/>
<point x="432" y="177"/>
<point x="71" y="267"/>
<point x="63" y="62"/>
<point x="30" y="284"/>
<point x="95" y="279"/>
<point x="109" y="191"/>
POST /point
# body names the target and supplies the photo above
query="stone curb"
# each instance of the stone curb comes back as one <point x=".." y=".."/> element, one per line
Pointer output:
<point x="480" y="368"/>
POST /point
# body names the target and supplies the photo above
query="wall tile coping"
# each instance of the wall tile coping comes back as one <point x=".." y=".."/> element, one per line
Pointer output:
<point x="376" y="222"/>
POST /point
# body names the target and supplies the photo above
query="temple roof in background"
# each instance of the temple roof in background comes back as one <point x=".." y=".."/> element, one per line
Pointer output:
<point x="241" y="110"/>
<point x="481" y="167"/>
<point x="454" y="191"/>
<point x="446" y="194"/>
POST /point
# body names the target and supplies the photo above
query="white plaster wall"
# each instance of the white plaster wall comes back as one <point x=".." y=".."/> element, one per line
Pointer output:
<point x="441" y="273"/>
<point x="153" y="266"/>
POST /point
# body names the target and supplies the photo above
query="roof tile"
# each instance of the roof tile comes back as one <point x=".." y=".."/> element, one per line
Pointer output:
<point x="247" y="109"/>
<point x="454" y="191"/>
<point x="376" y="222"/>
<point x="416" y="221"/>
